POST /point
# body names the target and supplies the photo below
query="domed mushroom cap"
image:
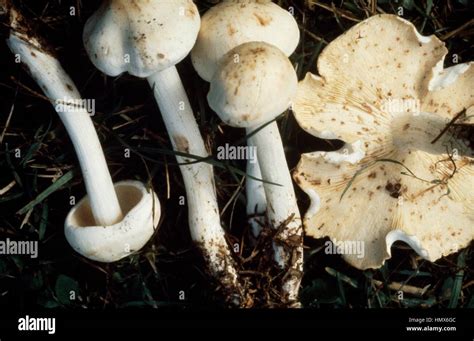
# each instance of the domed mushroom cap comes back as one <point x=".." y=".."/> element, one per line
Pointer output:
<point x="234" y="22"/>
<point x="382" y="89"/>
<point x="141" y="37"/>
<point x="254" y="83"/>
<point x="141" y="210"/>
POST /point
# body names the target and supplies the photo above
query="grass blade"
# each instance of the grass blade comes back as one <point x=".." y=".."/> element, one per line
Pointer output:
<point x="48" y="191"/>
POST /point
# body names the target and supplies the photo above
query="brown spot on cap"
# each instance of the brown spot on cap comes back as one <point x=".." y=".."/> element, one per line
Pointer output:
<point x="231" y="30"/>
<point x="261" y="20"/>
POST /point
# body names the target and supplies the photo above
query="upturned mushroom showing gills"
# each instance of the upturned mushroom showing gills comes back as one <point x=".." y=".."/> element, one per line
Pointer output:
<point x="247" y="94"/>
<point x="112" y="221"/>
<point x="147" y="39"/>
<point x="406" y="172"/>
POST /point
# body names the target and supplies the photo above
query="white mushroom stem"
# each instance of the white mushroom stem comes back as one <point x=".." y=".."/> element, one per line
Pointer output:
<point x="203" y="211"/>
<point x="282" y="210"/>
<point x="61" y="91"/>
<point x="255" y="192"/>
<point x="246" y="95"/>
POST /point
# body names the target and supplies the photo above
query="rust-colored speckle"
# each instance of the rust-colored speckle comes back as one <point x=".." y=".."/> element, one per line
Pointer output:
<point x="246" y="117"/>
<point x="182" y="143"/>
<point x="261" y="20"/>
<point x="190" y="11"/>
<point x="231" y="30"/>
<point x="257" y="50"/>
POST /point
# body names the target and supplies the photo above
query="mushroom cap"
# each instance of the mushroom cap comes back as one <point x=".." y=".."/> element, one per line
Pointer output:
<point x="234" y="22"/>
<point x="382" y="89"/>
<point x="111" y="243"/>
<point x="141" y="37"/>
<point x="254" y="83"/>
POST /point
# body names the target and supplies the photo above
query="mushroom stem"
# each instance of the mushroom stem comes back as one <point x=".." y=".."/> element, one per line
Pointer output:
<point x="255" y="192"/>
<point x="61" y="91"/>
<point x="203" y="211"/>
<point x="282" y="210"/>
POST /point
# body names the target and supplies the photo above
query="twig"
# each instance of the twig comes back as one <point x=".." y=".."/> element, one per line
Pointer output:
<point x="445" y="129"/>
<point x="409" y="289"/>
<point x="457" y="30"/>
<point x="335" y="11"/>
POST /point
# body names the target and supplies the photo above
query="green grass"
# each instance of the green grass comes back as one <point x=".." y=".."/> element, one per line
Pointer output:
<point x="34" y="208"/>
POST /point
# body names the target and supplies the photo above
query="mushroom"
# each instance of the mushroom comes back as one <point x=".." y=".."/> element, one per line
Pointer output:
<point x="224" y="27"/>
<point x="227" y="25"/>
<point x="110" y="222"/>
<point x="247" y="94"/>
<point x="147" y="39"/>
<point x="234" y="22"/>
<point x="142" y="213"/>
<point x="406" y="172"/>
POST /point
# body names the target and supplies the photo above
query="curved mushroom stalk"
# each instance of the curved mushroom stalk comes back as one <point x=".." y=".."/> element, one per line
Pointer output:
<point x="96" y="226"/>
<point x="410" y="170"/>
<point x="263" y="83"/>
<point x="63" y="94"/>
<point x="147" y="39"/>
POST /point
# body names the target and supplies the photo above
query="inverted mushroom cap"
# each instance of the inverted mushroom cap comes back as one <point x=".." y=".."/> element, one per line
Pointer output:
<point x="141" y="37"/>
<point x="234" y="22"/>
<point x="141" y="210"/>
<point x="254" y="83"/>
<point x="383" y="90"/>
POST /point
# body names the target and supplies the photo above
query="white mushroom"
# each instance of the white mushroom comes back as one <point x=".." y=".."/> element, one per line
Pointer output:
<point x="403" y="175"/>
<point x="248" y="94"/>
<point x="110" y="223"/>
<point x="147" y="39"/>
<point x="224" y="27"/>
<point x="141" y="214"/>
<point x="227" y="25"/>
<point x="234" y="22"/>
